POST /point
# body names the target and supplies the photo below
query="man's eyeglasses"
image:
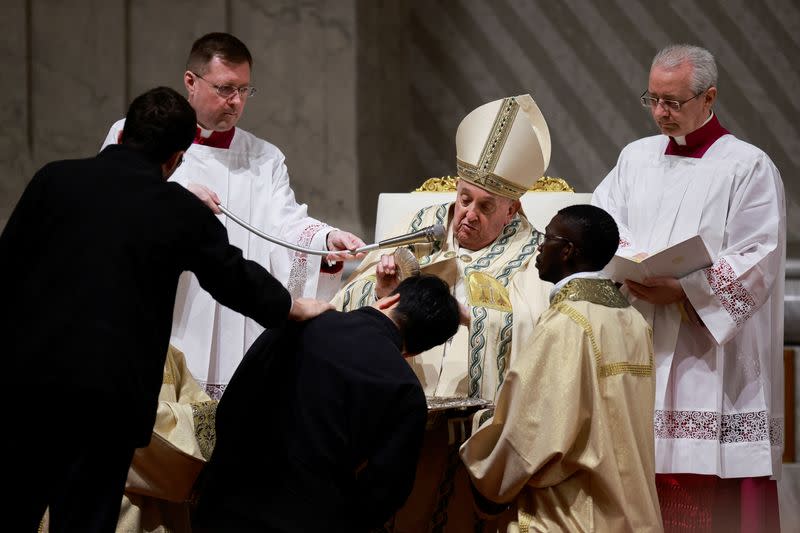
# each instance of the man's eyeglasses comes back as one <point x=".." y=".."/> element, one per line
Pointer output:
<point x="556" y="238"/>
<point x="672" y="105"/>
<point x="228" y="91"/>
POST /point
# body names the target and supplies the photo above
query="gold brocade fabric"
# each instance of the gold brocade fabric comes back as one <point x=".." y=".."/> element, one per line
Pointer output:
<point x="598" y="291"/>
<point x="161" y="476"/>
<point x="204" y="418"/>
<point x="571" y="443"/>
<point x="485" y="291"/>
<point x="505" y="297"/>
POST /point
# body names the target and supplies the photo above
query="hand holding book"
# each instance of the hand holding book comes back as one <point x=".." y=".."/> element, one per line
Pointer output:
<point x="675" y="261"/>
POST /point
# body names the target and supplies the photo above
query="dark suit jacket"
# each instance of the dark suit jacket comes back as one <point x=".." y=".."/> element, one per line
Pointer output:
<point x="89" y="267"/>
<point x="320" y="428"/>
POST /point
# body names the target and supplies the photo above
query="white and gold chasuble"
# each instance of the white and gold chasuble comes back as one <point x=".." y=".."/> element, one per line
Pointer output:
<point x="251" y="179"/>
<point x="505" y="296"/>
<point x="570" y="445"/>
<point x="494" y="282"/>
<point x="719" y="393"/>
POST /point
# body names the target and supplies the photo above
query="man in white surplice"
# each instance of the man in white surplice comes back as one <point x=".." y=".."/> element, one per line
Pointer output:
<point x="718" y="332"/>
<point x="251" y="179"/>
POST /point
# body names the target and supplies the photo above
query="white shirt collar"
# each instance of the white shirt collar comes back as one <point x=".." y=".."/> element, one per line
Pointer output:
<point x="204" y="133"/>
<point x="682" y="138"/>
<point x="560" y="285"/>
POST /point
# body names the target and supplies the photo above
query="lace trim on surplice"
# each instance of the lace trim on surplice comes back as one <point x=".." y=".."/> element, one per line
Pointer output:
<point x="298" y="274"/>
<point x="736" y="300"/>
<point x="752" y="426"/>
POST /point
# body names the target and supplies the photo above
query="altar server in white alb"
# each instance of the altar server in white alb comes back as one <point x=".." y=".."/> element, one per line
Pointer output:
<point x="249" y="176"/>
<point x="718" y="332"/>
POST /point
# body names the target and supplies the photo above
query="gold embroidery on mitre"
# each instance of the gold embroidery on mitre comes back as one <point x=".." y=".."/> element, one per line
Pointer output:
<point x="498" y="135"/>
<point x="483" y="174"/>
<point x="485" y="291"/>
<point x="489" y="181"/>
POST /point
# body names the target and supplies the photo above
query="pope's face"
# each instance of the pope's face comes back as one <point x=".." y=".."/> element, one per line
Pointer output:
<point x="675" y="84"/>
<point x="213" y="111"/>
<point x="480" y="216"/>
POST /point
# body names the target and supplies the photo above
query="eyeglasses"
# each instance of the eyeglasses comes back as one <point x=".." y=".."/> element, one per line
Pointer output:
<point x="228" y="91"/>
<point x="672" y="105"/>
<point x="556" y="238"/>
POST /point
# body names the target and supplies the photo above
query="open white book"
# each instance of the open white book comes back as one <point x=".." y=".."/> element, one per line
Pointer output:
<point x="676" y="261"/>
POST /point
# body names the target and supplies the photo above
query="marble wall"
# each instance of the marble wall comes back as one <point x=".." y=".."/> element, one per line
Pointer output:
<point x="364" y="96"/>
<point x="586" y="63"/>
<point x="71" y="68"/>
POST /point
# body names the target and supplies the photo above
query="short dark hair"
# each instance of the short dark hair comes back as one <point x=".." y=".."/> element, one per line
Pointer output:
<point x="159" y="123"/>
<point x="598" y="233"/>
<point x="217" y="44"/>
<point x="427" y="314"/>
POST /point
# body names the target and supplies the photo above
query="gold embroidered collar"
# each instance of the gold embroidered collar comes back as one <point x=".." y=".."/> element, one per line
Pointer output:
<point x="597" y="291"/>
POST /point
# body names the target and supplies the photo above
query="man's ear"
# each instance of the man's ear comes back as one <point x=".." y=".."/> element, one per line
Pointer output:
<point x="568" y="251"/>
<point x="513" y="208"/>
<point x="711" y="95"/>
<point x="119" y="137"/>
<point x="188" y="82"/>
<point x="169" y="166"/>
<point x="388" y="302"/>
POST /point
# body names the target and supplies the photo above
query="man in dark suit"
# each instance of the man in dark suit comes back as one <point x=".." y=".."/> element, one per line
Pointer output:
<point x="321" y="425"/>
<point x="89" y="266"/>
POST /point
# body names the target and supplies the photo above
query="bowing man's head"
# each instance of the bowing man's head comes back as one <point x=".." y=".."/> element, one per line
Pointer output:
<point x="580" y="238"/>
<point x="425" y="312"/>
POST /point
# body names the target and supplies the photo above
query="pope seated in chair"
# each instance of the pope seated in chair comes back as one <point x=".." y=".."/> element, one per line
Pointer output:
<point x="487" y="258"/>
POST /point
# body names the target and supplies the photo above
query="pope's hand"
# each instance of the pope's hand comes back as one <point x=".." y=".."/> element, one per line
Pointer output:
<point x="206" y="195"/>
<point x="305" y="308"/>
<point x="386" y="279"/>
<point x="343" y="240"/>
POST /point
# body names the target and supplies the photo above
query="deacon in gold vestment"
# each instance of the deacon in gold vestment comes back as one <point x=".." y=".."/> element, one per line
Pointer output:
<point x="503" y="147"/>
<point x="570" y="446"/>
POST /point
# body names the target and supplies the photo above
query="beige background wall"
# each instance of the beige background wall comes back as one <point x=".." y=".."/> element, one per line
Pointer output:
<point x="364" y="96"/>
